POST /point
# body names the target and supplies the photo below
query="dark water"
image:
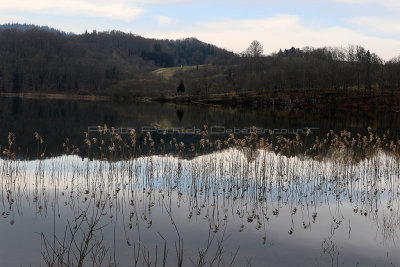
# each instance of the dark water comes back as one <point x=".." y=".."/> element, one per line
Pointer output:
<point x="56" y="120"/>
<point x="271" y="209"/>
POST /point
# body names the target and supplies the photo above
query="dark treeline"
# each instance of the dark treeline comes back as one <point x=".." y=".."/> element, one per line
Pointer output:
<point x="47" y="60"/>
<point x="26" y="27"/>
<point x="43" y="59"/>
<point x="352" y="67"/>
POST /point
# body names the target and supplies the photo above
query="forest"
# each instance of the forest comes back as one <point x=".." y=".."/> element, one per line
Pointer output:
<point x="337" y="68"/>
<point x="99" y="63"/>
<point x="45" y="60"/>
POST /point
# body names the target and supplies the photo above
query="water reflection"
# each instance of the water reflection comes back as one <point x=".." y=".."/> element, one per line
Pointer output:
<point x="179" y="114"/>
<point x="258" y="209"/>
<point x="57" y="120"/>
<point x="329" y="198"/>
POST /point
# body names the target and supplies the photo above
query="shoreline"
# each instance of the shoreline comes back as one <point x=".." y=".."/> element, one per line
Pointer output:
<point x="388" y="101"/>
<point x="57" y="96"/>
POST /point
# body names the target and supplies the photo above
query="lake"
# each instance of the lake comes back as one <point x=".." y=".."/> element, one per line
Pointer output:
<point x="300" y="192"/>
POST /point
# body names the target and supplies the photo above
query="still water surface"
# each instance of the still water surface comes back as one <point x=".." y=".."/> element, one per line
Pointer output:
<point x="265" y="208"/>
<point x="56" y="120"/>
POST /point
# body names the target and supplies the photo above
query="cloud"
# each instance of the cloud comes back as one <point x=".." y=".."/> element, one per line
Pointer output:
<point x="387" y="3"/>
<point x="282" y="31"/>
<point x="161" y="1"/>
<point x="73" y="7"/>
<point x="378" y="24"/>
<point x="5" y="18"/>
<point x="163" y="20"/>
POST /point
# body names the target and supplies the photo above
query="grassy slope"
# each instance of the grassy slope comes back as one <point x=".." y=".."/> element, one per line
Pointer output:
<point x="168" y="73"/>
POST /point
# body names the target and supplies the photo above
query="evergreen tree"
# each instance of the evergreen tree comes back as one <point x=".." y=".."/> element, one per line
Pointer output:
<point x="181" y="87"/>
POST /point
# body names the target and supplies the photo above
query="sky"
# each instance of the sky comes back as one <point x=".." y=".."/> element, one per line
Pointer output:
<point x="233" y="25"/>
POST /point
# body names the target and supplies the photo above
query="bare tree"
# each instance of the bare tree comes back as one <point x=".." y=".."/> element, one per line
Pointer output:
<point x="254" y="50"/>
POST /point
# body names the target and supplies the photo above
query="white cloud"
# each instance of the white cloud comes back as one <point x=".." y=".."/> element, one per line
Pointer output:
<point x="276" y="24"/>
<point x="5" y="18"/>
<point x="387" y="3"/>
<point x="378" y="24"/>
<point x="281" y="31"/>
<point x="73" y="7"/>
<point x="163" y="20"/>
<point x="160" y="1"/>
